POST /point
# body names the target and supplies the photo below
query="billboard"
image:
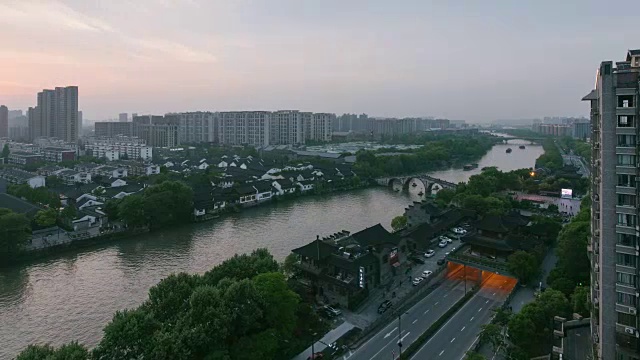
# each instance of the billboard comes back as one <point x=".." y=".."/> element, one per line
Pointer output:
<point x="566" y="193"/>
<point x="361" y="278"/>
<point x="393" y="256"/>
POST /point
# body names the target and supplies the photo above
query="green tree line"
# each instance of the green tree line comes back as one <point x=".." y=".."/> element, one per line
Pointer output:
<point x="240" y="309"/>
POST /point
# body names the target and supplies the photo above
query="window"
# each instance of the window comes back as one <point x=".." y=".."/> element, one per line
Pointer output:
<point x="625" y="259"/>
<point x="626" y="299"/>
<point x="626" y="239"/>
<point x="625" y="279"/>
<point x="626" y="219"/>
<point x="626" y="180"/>
<point x="626" y="319"/>
<point x="627" y="160"/>
<point x="626" y="200"/>
<point x="626" y="140"/>
<point x="625" y="101"/>
<point x="626" y="121"/>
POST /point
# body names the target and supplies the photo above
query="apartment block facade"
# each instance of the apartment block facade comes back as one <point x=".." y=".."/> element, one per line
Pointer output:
<point x="158" y="131"/>
<point x="113" y="128"/>
<point x="4" y="121"/>
<point x="614" y="247"/>
<point x="56" y="114"/>
<point x="198" y="127"/>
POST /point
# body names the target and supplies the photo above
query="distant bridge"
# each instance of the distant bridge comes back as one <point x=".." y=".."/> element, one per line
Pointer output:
<point x="431" y="184"/>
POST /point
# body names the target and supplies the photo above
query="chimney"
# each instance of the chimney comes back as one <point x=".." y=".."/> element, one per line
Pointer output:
<point x="317" y="237"/>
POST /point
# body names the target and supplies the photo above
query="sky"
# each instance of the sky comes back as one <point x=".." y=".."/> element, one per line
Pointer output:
<point x="466" y="59"/>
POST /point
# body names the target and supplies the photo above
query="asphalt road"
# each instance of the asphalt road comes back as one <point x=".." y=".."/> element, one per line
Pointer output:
<point x="384" y="345"/>
<point x="459" y="334"/>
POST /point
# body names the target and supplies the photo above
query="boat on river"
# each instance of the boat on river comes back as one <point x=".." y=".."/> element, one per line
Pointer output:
<point x="521" y="146"/>
<point x="470" y="167"/>
<point x="420" y="193"/>
<point x="509" y="150"/>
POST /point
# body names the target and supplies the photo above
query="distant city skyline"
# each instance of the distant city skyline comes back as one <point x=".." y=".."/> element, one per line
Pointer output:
<point x="472" y="61"/>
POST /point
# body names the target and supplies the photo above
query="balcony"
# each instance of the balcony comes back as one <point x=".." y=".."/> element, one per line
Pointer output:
<point x="308" y="267"/>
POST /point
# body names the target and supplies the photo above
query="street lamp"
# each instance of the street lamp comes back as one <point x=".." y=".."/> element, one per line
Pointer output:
<point x="313" y="342"/>
<point x="400" y="333"/>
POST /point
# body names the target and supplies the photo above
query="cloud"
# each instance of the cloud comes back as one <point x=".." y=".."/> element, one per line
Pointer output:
<point x="178" y="51"/>
<point x="49" y="13"/>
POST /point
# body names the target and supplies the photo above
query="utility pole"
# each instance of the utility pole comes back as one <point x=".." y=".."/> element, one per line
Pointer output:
<point x="399" y="336"/>
<point x="465" y="278"/>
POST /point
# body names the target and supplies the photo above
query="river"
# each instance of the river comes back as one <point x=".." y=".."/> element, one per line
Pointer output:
<point x="72" y="296"/>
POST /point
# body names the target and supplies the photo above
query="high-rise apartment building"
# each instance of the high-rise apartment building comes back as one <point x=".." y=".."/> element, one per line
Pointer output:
<point x="318" y="126"/>
<point x="286" y="127"/>
<point x="123" y="117"/>
<point x="56" y="114"/>
<point x="244" y="127"/>
<point x="110" y="129"/>
<point x="198" y="127"/>
<point x="614" y="246"/>
<point x="80" y="123"/>
<point x="4" y="121"/>
<point x="158" y="131"/>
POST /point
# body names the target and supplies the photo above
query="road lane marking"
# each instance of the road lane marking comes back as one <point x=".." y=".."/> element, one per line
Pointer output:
<point x="479" y="309"/>
<point x="425" y="313"/>
<point x="494" y="294"/>
<point x="441" y="352"/>
<point x="436" y="303"/>
<point x="405" y="335"/>
<point x="463" y="328"/>
<point x="486" y="302"/>
<point x="472" y="318"/>
<point x="391" y="332"/>
<point x="445" y="295"/>
<point x="452" y="340"/>
<point x="415" y="321"/>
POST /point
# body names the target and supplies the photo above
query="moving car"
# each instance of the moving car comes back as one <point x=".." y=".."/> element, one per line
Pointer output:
<point x="441" y="261"/>
<point x="426" y="273"/>
<point x="443" y="243"/>
<point x="386" y="305"/>
<point x="429" y="253"/>
<point x="417" y="281"/>
<point x="331" y="311"/>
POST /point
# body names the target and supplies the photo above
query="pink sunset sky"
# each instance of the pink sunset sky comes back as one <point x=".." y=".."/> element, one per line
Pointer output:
<point x="473" y="60"/>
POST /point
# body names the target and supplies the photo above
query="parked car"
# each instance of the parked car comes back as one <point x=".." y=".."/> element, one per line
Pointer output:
<point x="441" y="261"/>
<point x="386" y="305"/>
<point x="459" y="231"/>
<point x="426" y="273"/>
<point x="429" y="253"/>
<point x="331" y="311"/>
<point x="443" y="243"/>
<point x="417" y="260"/>
<point x="417" y="281"/>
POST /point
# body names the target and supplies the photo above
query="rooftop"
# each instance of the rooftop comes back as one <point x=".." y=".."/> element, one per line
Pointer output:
<point x="375" y="235"/>
<point x="316" y="250"/>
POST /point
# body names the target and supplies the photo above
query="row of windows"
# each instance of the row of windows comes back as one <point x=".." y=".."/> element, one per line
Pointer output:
<point x="627" y="220"/>
<point x="627" y="160"/>
<point x="628" y="300"/>
<point x="626" y="140"/>
<point x="626" y="239"/>
<point x="626" y="260"/>
<point x="626" y="180"/>
<point x="626" y="200"/>
<point x="625" y="279"/>
<point x="626" y="121"/>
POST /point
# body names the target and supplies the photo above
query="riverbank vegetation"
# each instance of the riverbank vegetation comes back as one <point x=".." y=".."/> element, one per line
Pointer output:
<point x="437" y="152"/>
<point x="15" y="232"/>
<point x="240" y="309"/>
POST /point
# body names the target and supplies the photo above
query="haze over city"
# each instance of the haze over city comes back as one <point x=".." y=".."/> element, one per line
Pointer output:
<point x="473" y="61"/>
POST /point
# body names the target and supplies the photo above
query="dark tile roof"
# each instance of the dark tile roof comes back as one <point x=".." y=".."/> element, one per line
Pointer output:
<point x="317" y="250"/>
<point x="352" y="265"/>
<point x="501" y="224"/>
<point x="306" y="182"/>
<point x="423" y="233"/>
<point x="285" y="183"/>
<point x="17" y="205"/>
<point x="375" y="235"/>
<point x="431" y="208"/>
<point x="492" y="243"/>
<point x="74" y="191"/>
<point x="246" y="189"/>
<point x="262" y="186"/>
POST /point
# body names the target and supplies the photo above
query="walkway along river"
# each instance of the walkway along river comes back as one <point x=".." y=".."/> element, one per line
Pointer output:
<point x="74" y="295"/>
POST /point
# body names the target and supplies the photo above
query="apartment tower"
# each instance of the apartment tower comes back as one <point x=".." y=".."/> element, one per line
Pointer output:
<point x="613" y="247"/>
<point x="56" y="114"/>
<point x="4" y="121"/>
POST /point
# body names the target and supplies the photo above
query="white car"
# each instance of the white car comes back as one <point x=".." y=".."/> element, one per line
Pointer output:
<point x="459" y="231"/>
<point x="443" y="243"/>
<point x="417" y="281"/>
<point x="447" y="239"/>
<point x="426" y="273"/>
<point x="429" y="253"/>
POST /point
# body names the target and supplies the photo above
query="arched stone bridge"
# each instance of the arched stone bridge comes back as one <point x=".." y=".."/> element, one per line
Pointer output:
<point x="431" y="184"/>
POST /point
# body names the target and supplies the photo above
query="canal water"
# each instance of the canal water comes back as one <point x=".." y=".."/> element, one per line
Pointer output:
<point x="72" y="296"/>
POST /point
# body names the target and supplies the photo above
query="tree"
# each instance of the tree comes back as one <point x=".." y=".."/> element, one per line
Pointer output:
<point x="281" y="314"/>
<point x="36" y="352"/>
<point x="289" y="267"/>
<point x="46" y="218"/>
<point x="492" y="334"/>
<point x="131" y="210"/>
<point x="472" y="355"/>
<point x="523" y="265"/>
<point x="69" y="213"/>
<point x="5" y="153"/>
<point x="580" y="301"/>
<point x="15" y="233"/>
<point x="399" y="222"/>
<point x="129" y="335"/>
